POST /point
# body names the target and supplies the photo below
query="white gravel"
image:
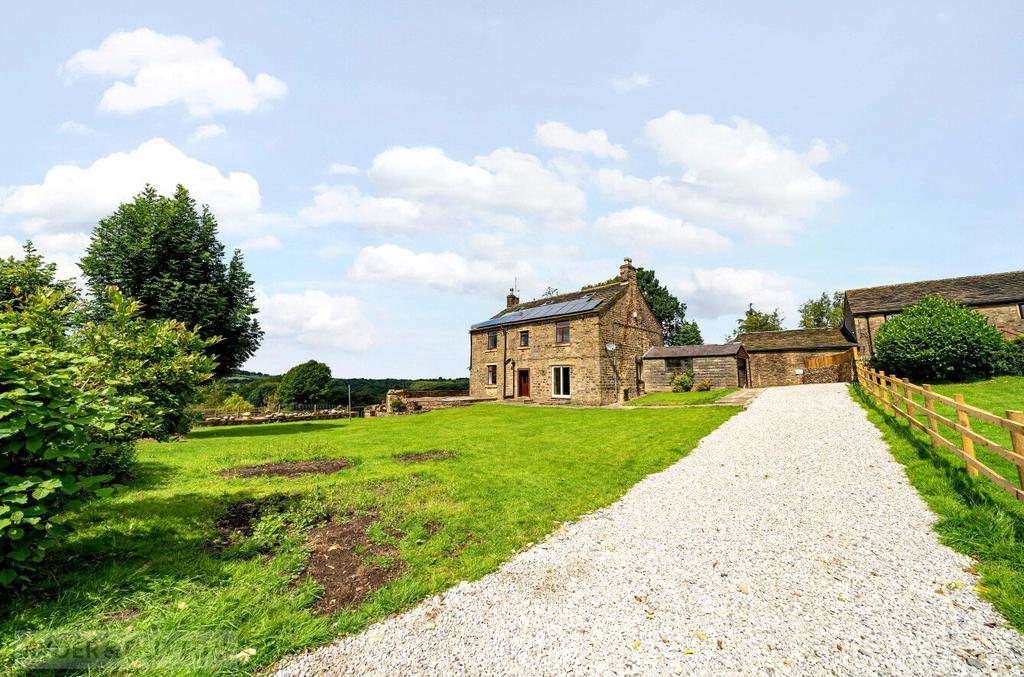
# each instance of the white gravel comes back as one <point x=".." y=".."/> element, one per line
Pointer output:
<point x="789" y="541"/>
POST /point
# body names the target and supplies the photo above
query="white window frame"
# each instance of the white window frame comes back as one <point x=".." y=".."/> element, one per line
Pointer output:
<point x="489" y="372"/>
<point x="555" y="379"/>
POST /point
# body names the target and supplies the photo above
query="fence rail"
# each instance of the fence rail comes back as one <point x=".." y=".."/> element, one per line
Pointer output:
<point x="896" y="395"/>
<point x="831" y="360"/>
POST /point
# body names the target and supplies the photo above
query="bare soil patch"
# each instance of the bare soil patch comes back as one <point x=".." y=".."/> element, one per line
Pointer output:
<point x="433" y="455"/>
<point x="288" y="469"/>
<point x="237" y="520"/>
<point x="338" y="561"/>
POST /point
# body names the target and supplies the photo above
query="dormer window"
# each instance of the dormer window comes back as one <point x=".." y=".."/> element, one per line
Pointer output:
<point x="492" y="340"/>
<point x="562" y="331"/>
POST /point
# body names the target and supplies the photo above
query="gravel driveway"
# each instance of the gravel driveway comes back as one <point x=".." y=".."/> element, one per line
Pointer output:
<point x="789" y="541"/>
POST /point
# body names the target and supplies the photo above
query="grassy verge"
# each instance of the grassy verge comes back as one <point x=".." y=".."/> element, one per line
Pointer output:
<point x="669" y="399"/>
<point x="976" y="517"/>
<point x="140" y="579"/>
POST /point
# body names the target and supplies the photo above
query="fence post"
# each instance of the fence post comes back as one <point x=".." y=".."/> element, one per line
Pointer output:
<point x="967" y="442"/>
<point x="908" y="395"/>
<point x="1018" y="442"/>
<point x="884" y="383"/>
<point x="933" y="425"/>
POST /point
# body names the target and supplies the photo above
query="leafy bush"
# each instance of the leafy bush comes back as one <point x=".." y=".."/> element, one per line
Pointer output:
<point x="1010" y="361"/>
<point x="938" y="340"/>
<point x="51" y="430"/>
<point x="261" y="392"/>
<point x="682" y="382"/>
<point x="397" y="405"/>
<point x="155" y="366"/>
<point x="306" y="383"/>
<point x="702" y="385"/>
<point x="236" y="404"/>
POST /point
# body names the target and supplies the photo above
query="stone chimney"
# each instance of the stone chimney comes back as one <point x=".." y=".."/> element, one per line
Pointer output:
<point x="511" y="299"/>
<point x="627" y="273"/>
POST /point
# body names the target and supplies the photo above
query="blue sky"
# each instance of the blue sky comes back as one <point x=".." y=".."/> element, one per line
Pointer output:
<point x="391" y="168"/>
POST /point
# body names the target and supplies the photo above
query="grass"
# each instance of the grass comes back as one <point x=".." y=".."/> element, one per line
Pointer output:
<point x="139" y="580"/>
<point x="995" y="396"/>
<point x="670" y="399"/>
<point x="976" y="517"/>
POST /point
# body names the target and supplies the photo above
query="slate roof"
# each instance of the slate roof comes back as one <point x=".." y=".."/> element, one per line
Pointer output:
<point x="712" y="350"/>
<point x="594" y="299"/>
<point x="971" y="290"/>
<point x="795" y="339"/>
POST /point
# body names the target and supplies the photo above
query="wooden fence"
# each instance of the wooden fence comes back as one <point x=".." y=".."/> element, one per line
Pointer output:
<point x="896" y="395"/>
<point x="831" y="360"/>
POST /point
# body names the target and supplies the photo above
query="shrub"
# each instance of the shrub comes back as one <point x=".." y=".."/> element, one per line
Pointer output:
<point x="682" y="382"/>
<point x="938" y="340"/>
<point x="52" y="429"/>
<point x="306" y="383"/>
<point x="1010" y="361"/>
<point x="236" y="404"/>
<point x="397" y="405"/>
<point x="702" y="385"/>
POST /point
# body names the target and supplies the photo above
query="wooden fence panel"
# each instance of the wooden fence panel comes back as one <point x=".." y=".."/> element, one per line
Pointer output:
<point x="896" y="396"/>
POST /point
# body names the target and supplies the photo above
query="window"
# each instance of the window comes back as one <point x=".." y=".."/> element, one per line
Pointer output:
<point x="492" y="340"/>
<point x="562" y="332"/>
<point x="678" y="365"/>
<point x="492" y="374"/>
<point x="560" y="386"/>
<point x="524" y="339"/>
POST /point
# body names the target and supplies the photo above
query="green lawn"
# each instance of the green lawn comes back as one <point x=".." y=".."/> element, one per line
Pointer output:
<point x="976" y="517"/>
<point x="995" y="396"/>
<point x="139" y="574"/>
<point x="669" y="399"/>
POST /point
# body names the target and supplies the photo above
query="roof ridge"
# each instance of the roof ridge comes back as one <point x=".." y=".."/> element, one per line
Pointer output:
<point x="938" y="279"/>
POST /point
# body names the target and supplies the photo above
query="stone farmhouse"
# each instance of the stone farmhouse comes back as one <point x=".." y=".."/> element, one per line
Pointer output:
<point x="584" y="347"/>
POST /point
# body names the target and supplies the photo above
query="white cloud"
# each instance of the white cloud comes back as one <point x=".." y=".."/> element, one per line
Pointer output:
<point x="72" y="127"/>
<point x="261" y="242"/>
<point x="72" y="198"/>
<point x="339" y="168"/>
<point x="731" y="175"/>
<point x="315" y="319"/>
<point x="641" y="226"/>
<point x="168" y="69"/>
<point x="204" y="132"/>
<point x="595" y="142"/>
<point x="347" y="204"/>
<point x="727" y="291"/>
<point x="503" y="183"/>
<point x="10" y="246"/>
<point x="446" y="270"/>
<point x="631" y="82"/>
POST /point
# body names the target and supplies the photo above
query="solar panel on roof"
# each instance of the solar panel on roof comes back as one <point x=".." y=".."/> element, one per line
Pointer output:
<point x="580" y="305"/>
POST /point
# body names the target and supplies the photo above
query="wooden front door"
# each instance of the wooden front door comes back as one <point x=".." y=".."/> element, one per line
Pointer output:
<point x="524" y="383"/>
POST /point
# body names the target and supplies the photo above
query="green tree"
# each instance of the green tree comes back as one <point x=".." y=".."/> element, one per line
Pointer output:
<point x="757" y="320"/>
<point x="669" y="310"/>
<point x="822" y="312"/>
<point x="164" y="252"/>
<point x="306" y="383"/>
<point x="22" y="277"/>
<point x="939" y="340"/>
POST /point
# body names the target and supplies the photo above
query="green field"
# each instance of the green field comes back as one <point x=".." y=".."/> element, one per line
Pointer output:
<point x="976" y="517"/>
<point x="676" y="399"/>
<point x="143" y="579"/>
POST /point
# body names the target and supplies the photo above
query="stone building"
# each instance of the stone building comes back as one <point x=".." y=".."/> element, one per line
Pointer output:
<point x="579" y="348"/>
<point x="777" y="358"/>
<point x="724" y="366"/>
<point x="999" y="297"/>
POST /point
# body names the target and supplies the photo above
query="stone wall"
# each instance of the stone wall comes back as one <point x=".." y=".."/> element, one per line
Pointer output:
<point x="780" y="368"/>
<point x="417" y="402"/>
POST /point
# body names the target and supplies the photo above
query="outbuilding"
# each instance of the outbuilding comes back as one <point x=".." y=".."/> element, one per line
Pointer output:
<point x="779" y="358"/>
<point x="723" y="365"/>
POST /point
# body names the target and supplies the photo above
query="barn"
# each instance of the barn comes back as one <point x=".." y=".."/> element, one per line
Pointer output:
<point x="779" y="358"/>
<point x="724" y="365"/>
